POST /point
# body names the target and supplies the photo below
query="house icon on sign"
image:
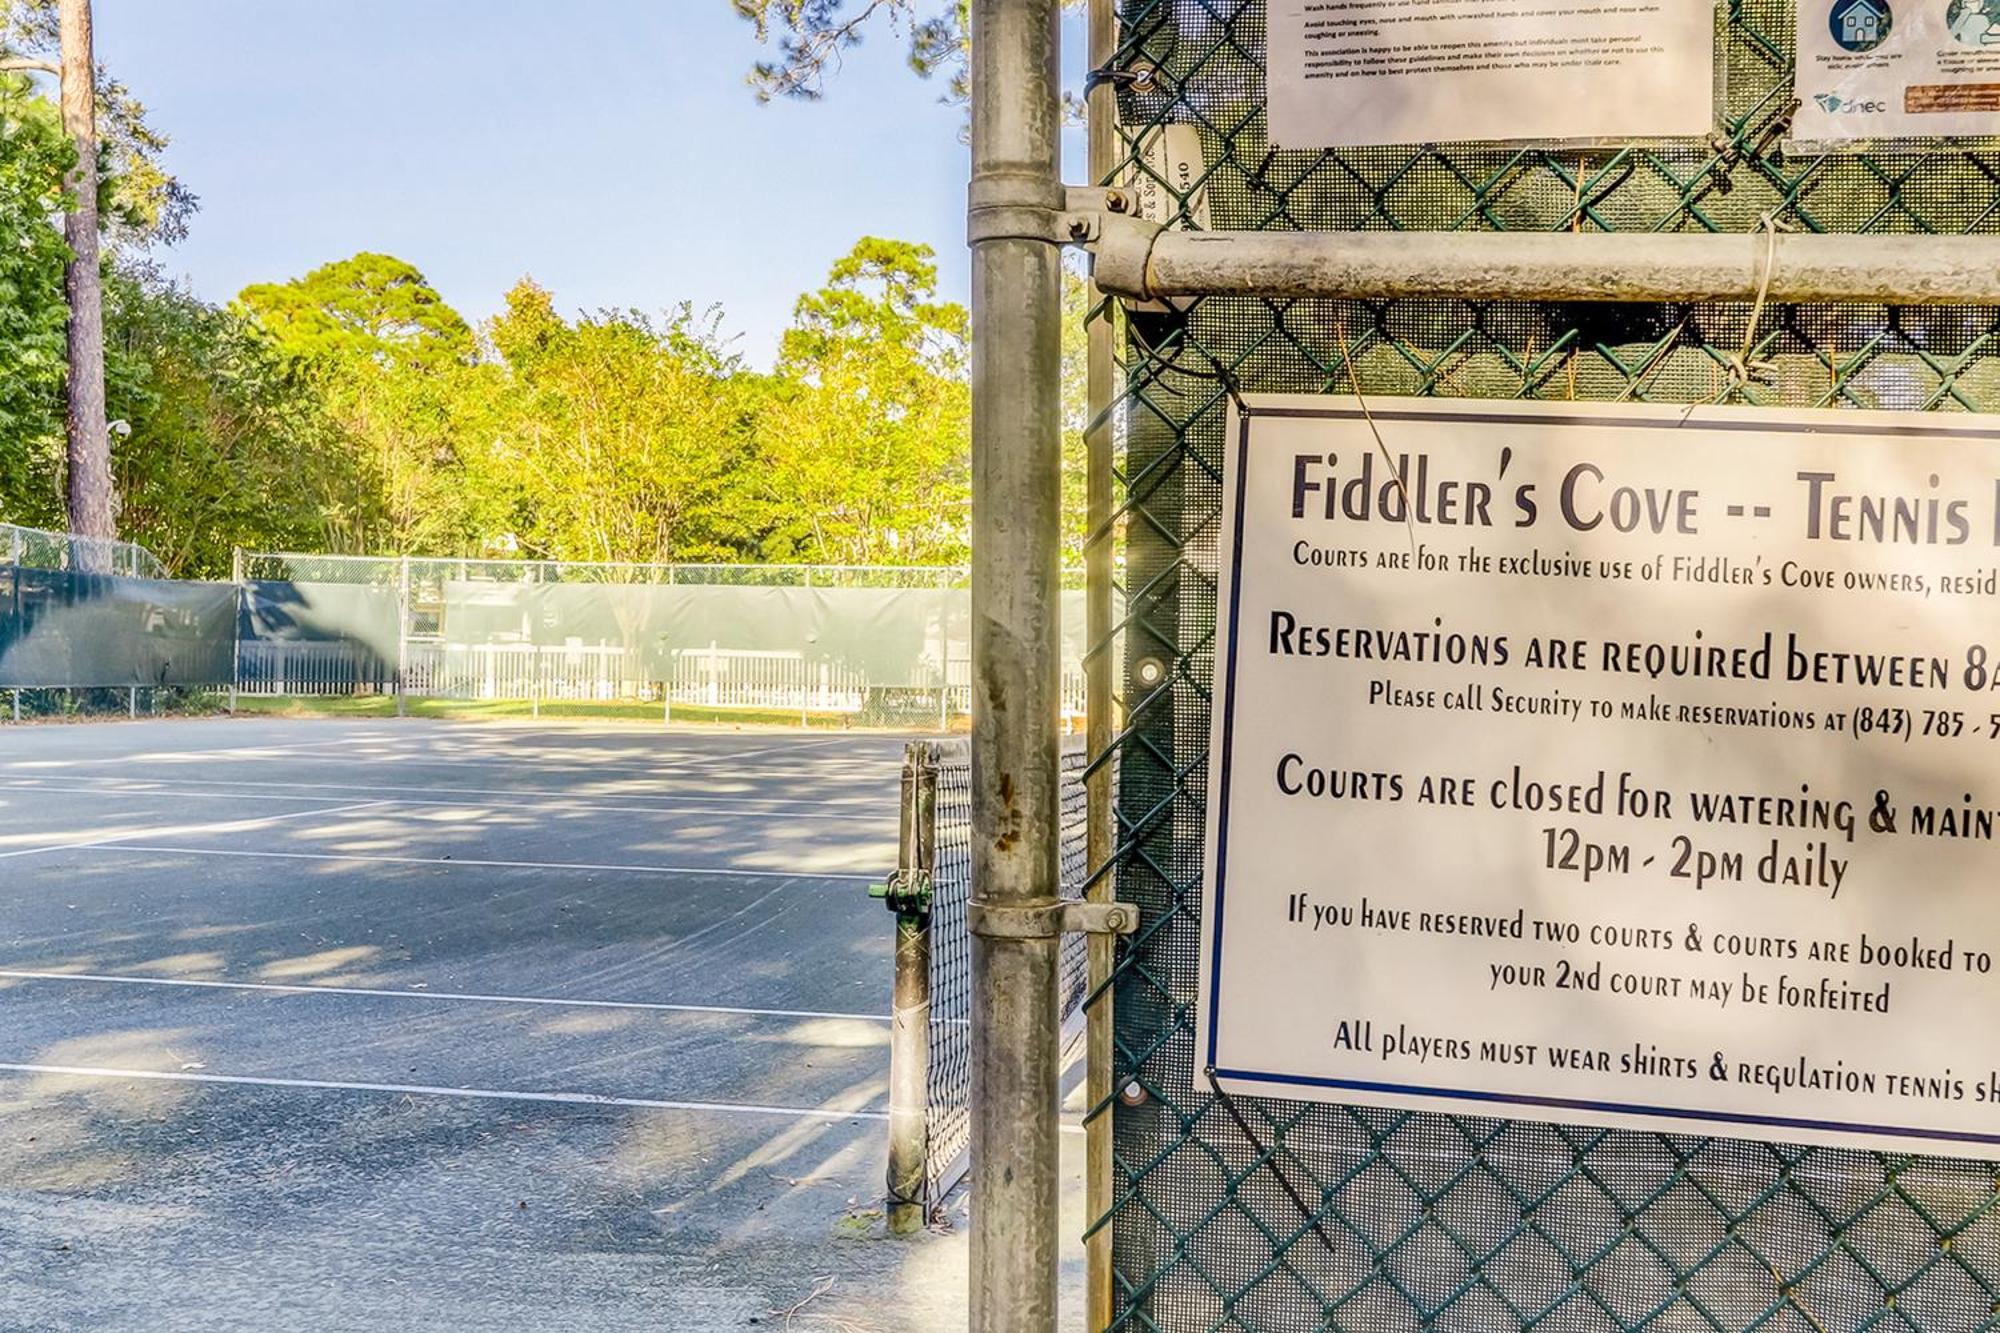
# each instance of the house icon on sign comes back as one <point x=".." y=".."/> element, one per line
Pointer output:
<point x="1863" y="23"/>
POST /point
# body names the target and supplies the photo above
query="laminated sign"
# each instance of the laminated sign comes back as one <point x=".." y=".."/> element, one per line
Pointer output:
<point x="1347" y="73"/>
<point x="1895" y="69"/>
<point x="1622" y="765"/>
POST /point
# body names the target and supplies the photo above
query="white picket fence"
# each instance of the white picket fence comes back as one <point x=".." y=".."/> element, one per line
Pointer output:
<point x="310" y="669"/>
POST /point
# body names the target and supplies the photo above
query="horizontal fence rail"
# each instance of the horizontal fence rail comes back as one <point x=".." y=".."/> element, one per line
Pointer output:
<point x="1544" y="266"/>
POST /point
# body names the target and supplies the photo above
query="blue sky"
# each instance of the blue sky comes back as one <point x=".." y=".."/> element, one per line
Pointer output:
<point x="610" y="148"/>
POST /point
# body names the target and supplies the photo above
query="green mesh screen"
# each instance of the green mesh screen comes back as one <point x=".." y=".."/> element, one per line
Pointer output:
<point x="1299" y="1217"/>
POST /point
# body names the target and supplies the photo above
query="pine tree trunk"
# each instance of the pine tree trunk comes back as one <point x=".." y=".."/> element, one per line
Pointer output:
<point x="93" y="501"/>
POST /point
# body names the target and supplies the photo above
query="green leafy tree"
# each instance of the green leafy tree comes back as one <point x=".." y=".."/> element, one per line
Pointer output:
<point x="865" y="438"/>
<point x="398" y="378"/>
<point x="142" y="201"/>
<point x="33" y="158"/>
<point x="371" y="306"/>
<point x="229" y="444"/>
<point x="114" y="183"/>
<point x="625" y="437"/>
<point x="811" y="35"/>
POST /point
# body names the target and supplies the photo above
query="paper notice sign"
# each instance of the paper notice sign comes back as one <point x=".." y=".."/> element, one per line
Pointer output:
<point x="1345" y="73"/>
<point x="1896" y="69"/>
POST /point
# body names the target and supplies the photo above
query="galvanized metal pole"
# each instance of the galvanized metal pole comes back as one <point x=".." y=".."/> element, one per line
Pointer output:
<point x="910" y="1030"/>
<point x="1016" y="505"/>
<point x="1101" y="391"/>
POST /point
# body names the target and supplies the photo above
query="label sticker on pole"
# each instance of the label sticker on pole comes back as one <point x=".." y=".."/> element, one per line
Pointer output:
<point x="1417" y="71"/>
<point x="1610" y="764"/>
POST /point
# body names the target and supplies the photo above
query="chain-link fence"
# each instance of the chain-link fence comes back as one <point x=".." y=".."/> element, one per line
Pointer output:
<point x="95" y="627"/>
<point x="1275" y="1215"/>
<point x="886" y="645"/>
<point x="33" y="548"/>
<point x="947" y="1122"/>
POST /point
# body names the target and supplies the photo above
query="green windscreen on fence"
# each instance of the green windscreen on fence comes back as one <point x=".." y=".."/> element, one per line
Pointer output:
<point x="885" y="636"/>
<point x="455" y="629"/>
<point x="1324" y="1217"/>
<point x="61" y="628"/>
<point x="275" y="611"/>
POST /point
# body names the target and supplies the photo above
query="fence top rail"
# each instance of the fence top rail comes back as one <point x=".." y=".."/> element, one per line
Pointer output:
<point x="637" y="565"/>
<point x="294" y="565"/>
<point x="39" y="548"/>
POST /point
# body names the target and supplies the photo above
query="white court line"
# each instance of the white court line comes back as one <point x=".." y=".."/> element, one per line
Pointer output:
<point x="233" y="826"/>
<point x="645" y="1005"/>
<point x="184" y="756"/>
<point x="425" y="1090"/>
<point x="569" y="762"/>
<point x="553" y="803"/>
<point x="470" y="861"/>
<point x="478" y="791"/>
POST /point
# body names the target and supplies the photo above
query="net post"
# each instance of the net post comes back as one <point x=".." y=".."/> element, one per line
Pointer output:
<point x="1016" y="190"/>
<point x="909" y="1033"/>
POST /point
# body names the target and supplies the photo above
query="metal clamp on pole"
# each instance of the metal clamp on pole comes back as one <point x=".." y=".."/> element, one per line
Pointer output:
<point x="1007" y="208"/>
<point x="1049" y="918"/>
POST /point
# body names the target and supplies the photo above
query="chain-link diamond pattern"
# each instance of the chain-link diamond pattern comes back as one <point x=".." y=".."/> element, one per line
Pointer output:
<point x="1427" y="1221"/>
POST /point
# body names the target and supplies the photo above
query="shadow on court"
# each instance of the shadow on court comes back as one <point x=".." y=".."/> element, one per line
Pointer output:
<point x="367" y="1025"/>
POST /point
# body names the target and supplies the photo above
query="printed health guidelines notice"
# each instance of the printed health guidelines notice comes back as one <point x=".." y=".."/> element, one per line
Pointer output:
<point x="1892" y="69"/>
<point x="1346" y="73"/>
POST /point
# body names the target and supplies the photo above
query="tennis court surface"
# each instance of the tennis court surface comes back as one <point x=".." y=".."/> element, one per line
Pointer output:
<point x="414" y="1024"/>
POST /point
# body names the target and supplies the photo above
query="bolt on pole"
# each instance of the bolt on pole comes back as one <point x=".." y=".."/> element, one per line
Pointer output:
<point x="1016" y="503"/>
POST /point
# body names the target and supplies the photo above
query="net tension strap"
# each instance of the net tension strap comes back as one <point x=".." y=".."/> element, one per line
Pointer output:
<point x="1140" y="260"/>
<point x="908" y="893"/>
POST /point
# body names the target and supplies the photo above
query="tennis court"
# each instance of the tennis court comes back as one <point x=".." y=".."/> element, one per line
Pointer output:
<point x="406" y="1023"/>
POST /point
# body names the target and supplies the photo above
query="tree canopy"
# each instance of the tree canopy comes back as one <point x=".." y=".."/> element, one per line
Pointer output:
<point x="811" y="35"/>
<point x="142" y="201"/>
<point x="370" y="305"/>
<point x="615" y="436"/>
<point x="351" y="409"/>
<point x="33" y="156"/>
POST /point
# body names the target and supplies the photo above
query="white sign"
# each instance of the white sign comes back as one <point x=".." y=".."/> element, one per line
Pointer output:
<point x="1890" y="69"/>
<point x="1356" y="72"/>
<point x="1611" y="764"/>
